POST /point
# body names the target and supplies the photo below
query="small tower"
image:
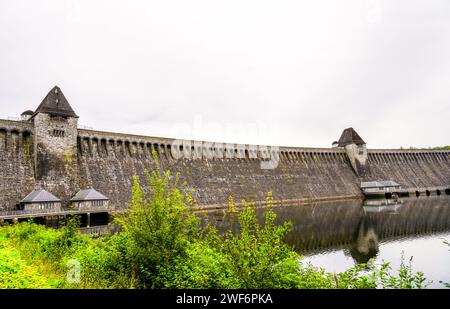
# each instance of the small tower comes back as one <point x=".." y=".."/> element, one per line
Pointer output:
<point x="55" y="129"/>
<point x="26" y="115"/>
<point x="356" y="150"/>
<point x="55" y="124"/>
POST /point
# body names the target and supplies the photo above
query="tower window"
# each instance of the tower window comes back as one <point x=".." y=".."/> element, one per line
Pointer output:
<point x="360" y="150"/>
<point x="58" y="118"/>
<point x="58" y="133"/>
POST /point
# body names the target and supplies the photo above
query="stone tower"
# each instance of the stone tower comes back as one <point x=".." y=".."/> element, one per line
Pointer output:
<point x="55" y="129"/>
<point x="356" y="150"/>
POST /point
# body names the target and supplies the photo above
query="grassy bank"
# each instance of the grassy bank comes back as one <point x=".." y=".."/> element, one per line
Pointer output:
<point x="17" y="272"/>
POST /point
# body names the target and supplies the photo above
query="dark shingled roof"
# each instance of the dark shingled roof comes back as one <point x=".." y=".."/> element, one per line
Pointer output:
<point x="56" y="104"/>
<point x="89" y="195"/>
<point x="349" y="136"/>
<point x="40" y="196"/>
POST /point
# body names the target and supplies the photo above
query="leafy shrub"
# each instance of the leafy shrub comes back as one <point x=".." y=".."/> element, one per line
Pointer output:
<point x="256" y="254"/>
<point x="160" y="226"/>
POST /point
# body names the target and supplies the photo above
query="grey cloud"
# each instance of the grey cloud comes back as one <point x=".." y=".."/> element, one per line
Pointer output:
<point x="279" y="72"/>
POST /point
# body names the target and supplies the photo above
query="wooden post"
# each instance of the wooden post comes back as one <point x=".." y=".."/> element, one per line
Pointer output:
<point x="88" y="219"/>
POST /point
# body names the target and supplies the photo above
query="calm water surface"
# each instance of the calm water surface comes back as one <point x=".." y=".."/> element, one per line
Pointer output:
<point x="338" y="235"/>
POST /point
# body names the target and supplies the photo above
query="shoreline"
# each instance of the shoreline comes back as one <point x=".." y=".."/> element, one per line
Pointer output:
<point x="303" y="201"/>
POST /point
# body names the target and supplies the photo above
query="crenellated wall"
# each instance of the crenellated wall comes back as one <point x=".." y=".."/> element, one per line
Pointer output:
<point x="410" y="168"/>
<point x="107" y="161"/>
<point x="16" y="162"/>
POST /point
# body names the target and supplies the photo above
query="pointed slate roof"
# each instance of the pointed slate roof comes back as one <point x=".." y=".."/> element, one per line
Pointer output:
<point x="88" y="195"/>
<point x="40" y="196"/>
<point x="55" y="103"/>
<point x="349" y="136"/>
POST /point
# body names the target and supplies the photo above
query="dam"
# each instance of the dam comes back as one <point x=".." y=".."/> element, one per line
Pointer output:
<point x="47" y="150"/>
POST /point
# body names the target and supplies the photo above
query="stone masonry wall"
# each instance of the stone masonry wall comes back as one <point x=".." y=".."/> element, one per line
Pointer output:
<point x="56" y="155"/>
<point x="357" y="154"/>
<point x="410" y="168"/>
<point x="58" y="136"/>
<point x="16" y="162"/>
<point x="109" y="166"/>
<point x="107" y="162"/>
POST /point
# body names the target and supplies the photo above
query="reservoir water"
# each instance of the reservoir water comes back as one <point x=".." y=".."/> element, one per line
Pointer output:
<point x="338" y="235"/>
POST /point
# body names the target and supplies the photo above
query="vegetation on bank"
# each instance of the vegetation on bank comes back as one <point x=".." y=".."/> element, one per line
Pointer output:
<point x="163" y="244"/>
<point x="19" y="273"/>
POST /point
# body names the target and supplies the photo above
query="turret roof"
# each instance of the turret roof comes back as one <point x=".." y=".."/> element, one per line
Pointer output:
<point x="349" y="136"/>
<point x="56" y="104"/>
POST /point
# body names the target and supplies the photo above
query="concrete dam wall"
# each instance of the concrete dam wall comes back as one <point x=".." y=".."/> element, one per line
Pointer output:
<point x="108" y="166"/>
<point x="47" y="150"/>
<point x="16" y="163"/>
<point x="108" y="161"/>
<point x="410" y="168"/>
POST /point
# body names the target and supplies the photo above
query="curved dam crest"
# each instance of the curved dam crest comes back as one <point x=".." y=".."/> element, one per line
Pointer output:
<point x="49" y="151"/>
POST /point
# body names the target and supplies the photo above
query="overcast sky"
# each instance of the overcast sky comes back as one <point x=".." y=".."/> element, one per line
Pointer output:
<point x="293" y="73"/>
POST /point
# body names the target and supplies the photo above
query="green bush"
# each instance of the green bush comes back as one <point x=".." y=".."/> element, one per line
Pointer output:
<point x="257" y="256"/>
<point x="160" y="226"/>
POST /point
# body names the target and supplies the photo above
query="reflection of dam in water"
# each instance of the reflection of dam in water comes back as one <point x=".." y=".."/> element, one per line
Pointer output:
<point x="347" y="225"/>
<point x="325" y="227"/>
